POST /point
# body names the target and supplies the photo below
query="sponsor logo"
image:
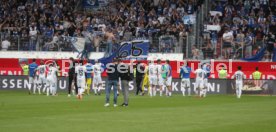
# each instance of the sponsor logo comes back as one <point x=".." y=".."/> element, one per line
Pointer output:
<point x="272" y="67"/>
<point x="23" y="83"/>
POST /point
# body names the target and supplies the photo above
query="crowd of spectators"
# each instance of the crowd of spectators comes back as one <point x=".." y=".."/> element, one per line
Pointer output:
<point x="44" y="23"/>
<point x="246" y="27"/>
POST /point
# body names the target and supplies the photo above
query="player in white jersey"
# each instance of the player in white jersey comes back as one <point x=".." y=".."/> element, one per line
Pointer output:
<point x="207" y="69"/>
<point x="97" y="78"/>
<point x="41" y="70"/>
<point x="152" y="69"/>
<point x="51" y="80"/>
<point x="80" y="71"/>
<point x="239" y="76"/>
<point x="167" y="78"/>
<point x="160" y="80"/>
<point x="199" y="83"/>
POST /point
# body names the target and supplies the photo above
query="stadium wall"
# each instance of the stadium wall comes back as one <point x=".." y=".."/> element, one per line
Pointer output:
<point x="215" y="86"/>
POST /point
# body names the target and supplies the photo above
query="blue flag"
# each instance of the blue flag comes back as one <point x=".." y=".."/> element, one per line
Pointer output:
<point x="258" y="57"/>
<point x="137" y="50"/>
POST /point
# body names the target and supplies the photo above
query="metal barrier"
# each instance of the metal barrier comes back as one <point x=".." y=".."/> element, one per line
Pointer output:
<point x="159" y="43"/>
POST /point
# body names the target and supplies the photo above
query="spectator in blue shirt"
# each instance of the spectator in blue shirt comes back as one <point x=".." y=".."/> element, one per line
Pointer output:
<point x="214" y="39"/>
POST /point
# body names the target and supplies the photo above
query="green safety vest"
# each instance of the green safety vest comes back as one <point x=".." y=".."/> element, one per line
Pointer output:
<point x="257" y="75"/>
<point x="222" y="74"/>
<point x="25" y="70"/>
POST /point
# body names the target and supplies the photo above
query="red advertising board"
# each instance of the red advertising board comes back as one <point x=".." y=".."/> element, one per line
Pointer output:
<point x="268" y="69"/>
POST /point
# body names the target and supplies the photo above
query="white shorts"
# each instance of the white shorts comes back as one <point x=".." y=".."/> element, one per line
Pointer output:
<point x="41" y="80"/>
<point x="81" y="83"/>
<point x="205" y="82"/>
<point x="185" y="82"/>
<point x="153" y="80"/>
<point x="50" y="82"/>
<point x="199" y="84"/>
<point x="239" y="85"/>
<point x="31" y="80"/>
<point x="160" y="81"/>
<point x="80" y="91"/>
<point x="169" y="81"/>
<point x="97" y="80"/>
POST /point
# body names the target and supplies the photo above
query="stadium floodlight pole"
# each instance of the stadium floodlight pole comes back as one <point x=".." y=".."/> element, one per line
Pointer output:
<point x="221" y="44"/>
<point x="187" y="42"/>
<point x="18" y="41"/>
<point x="242" y="52"/>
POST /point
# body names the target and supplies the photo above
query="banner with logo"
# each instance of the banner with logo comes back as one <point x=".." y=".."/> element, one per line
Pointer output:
<point x="256" y="86"/>
<point x="189" y="19"/>
<point x="136" y="49"/>
<point x="91" y="3"/>
<point x="94" y="4"/>
<point x="131" y="50"/>
<point x="22" y="82"/>
<point x="215" y="86"/>
<point x="268" y="69"/>
<point x="78" y="43"/>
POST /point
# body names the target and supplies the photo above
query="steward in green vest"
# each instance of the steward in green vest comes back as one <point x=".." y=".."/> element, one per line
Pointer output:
<point x="256" y="74"/>
<point x="222" y="73"/>
<point x="25" y="70"/>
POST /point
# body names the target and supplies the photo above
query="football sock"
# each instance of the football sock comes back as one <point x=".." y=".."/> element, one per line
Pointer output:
<point x="189" y="91"/>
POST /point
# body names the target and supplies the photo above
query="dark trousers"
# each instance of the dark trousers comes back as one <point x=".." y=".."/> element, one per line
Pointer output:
<point x="125" y="90"/>
<point x="138" y="85"/>
<point x="71" y="78"/>
<point x="76" y="85"/>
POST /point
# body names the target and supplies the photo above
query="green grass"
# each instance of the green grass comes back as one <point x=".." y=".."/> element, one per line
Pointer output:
<point x="20" y="112"/>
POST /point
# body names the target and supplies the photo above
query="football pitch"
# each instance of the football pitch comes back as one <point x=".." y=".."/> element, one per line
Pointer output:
<point x="20" y="112"/>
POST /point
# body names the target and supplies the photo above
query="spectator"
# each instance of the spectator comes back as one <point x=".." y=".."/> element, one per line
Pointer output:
<point x="208" y="51"/>
<point x="143" y="18"/>
<point x="248" y="41"/>
<point x="246" y="16"/>
<point x="50" y="45"/>
<point x="195" y="53"/>
<point x="33" y="36"/>
<point x="270" y="40"/>
<point x="227" y="42"/>
<point x="214" y="39"/>
<point x="259" y="40"/>
<point x="110" y="39"/>
<point x="5" y="45"/>
<point x="239" y="44"/>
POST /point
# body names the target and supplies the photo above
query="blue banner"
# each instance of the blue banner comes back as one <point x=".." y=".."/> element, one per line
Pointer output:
<point x="133" y="50"/>
<point x="258" y="57"/>
<point x="137" y="49"/>
<point x="94" y="4"/>
<point x="91" y="3"/>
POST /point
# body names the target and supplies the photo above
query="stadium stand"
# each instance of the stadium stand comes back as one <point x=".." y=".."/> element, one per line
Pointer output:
<point x="220" y="29"/>
<point x="45" y="25"/>
<point x="250" y="25"/>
